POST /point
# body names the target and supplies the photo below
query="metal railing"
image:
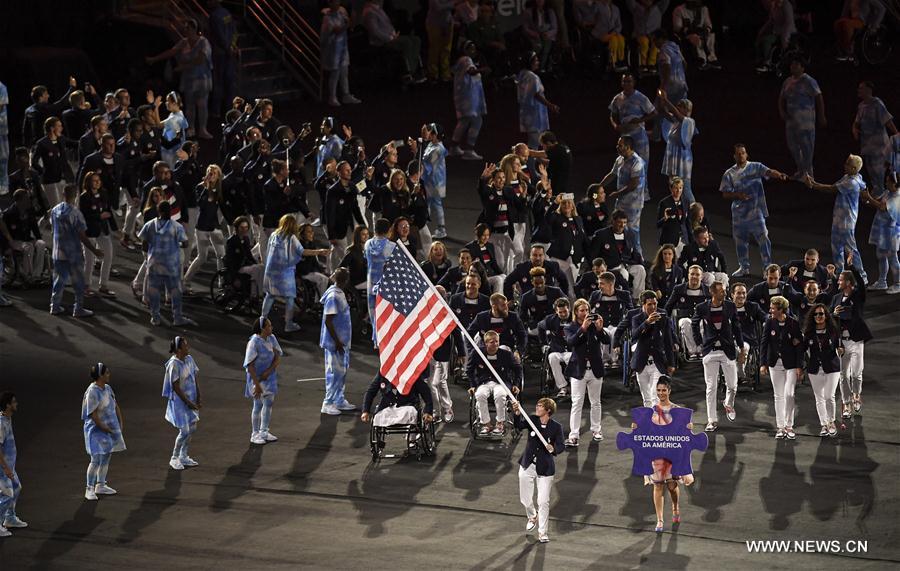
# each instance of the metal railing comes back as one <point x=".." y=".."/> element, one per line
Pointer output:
<point x="297" y="41"/>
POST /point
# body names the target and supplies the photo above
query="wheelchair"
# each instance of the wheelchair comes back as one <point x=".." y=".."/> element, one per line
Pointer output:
<point x="629" y="377"/>
<point x="420" y="440"/>
<point x="874" y="45"/>
<point x="358" y="302"/>
<point x="231" y="291"/>
<point x="475" y="424"/>
<point x="13" y="271"/>
<point x="546" y="382"/>
<point x="307" y="300"/>
<point x="681" y="354"/>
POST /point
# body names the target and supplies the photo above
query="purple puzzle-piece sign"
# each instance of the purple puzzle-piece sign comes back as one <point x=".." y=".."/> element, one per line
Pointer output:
<point x="651" y="441"/>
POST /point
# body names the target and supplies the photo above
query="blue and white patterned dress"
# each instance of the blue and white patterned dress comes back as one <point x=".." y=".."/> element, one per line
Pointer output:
<point x="8" y="486"/>
<point x="177" y="413"/>
<point x="282" y="256"/>
<point x="679" y="158"/>
<point x="334" y="302"/>
<point x="260" y="355"/>
<point x="885" y="233"/>
<point x="532" y="113"/>
<point x="331" y="147"/>
<point x="468" y="91"/>
<point x="68" y="223"/>
<point x="434" y="170"/>
<point x="843" y="218"/>
<point x="164" y="239"/>
<point x="102" y="400"/>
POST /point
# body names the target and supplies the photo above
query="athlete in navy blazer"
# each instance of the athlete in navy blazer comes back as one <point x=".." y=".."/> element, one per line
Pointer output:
<point x="727" y="338"/>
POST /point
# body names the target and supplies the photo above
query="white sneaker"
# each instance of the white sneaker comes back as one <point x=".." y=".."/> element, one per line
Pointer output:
<point x="346" y="405"/>
<point x="5" y="532"/>
<point x="440" y="233"/>
<point x="82" y="312"/>
<point x="176" y="464"/>
<point x="730" y="414"/>
<point x="741" y="272"/>
<point x="710" y="427"/>
<point x="89" y="494"/>
<point x="268" y="436"/>
<point x="14" y="522"/>
<point x="455" y="151"/>
<point x="448" y="418"/>
<point x="530" y="524"/>
<point x="894" y="289"/>
<point x="330" y="409"/>
<point x="597" y="436"/>
<point x="878" y="286"/>
<point x="104" y="490"/>
<point x="779" y="434"/>
<point x="189" y="462"/>
<point x="544" y="538"/>
<point x="4" y="301"/>
<point x="184" y="321"/>
<point x="291" y="327"/>
<point x="471" y="155"/>
<point x="257" y="439"/>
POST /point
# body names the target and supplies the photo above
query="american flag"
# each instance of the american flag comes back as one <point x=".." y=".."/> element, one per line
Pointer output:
<point x="411" y="321"/>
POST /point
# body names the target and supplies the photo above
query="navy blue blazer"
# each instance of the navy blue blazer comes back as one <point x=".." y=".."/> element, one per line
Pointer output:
<point x="751" y="317"/>
<point x="782" y="341"/>
<point x="586" y="350"/>
<point x="760" y="294"/>
<point x="852" y="321"/>
<point x="511" y="330"/>
<point x="552" y="332"/>
<point x="588" y="283"/>
<point x="521" y="276"/>
<point x="821" y="353"/>
<point x="390" y="396"/>
<point x="505" y="365"/>
<point x="612" y="307"/>
<point x="652" y="340"/>
<point x="603" y="245"/>
<point x="665" y="283"/>
<point x="728" y="337"/>
<point x="683" y="303"/>
<point x="535" y="452"/>
<point x="532" y="310"/>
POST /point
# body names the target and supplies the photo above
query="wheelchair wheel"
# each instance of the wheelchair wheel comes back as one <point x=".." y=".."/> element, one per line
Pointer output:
<point x="427" y="443"/>
<point x="474" y="425"/>
<point x="546" y="374"/>
<point x="10" y="270"/>
<point x="225" y="293"/>
<point x="875" y="46"/>
<point x="376" y="443"/>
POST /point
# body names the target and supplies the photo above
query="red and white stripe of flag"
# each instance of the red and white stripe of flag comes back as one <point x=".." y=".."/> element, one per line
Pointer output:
<point x="406" y="344"/>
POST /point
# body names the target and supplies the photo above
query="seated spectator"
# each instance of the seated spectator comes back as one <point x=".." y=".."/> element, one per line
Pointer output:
<point x="691" y="22"/>
<point x="777" y="30"/>
<point x="603" y="21"/>
<point x="647" y="18"/>
<point x="539" y="26"/>
<point x="383" y="34"/>
<point x="488" y="39"/>
<point x="22" y="222"/>
<point x="239" y="260"/>
<point x="856" y="15"/>
<point x="355" y="259"/>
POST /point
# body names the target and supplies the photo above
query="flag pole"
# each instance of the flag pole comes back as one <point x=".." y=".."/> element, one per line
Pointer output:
<point x="475" y="346"/>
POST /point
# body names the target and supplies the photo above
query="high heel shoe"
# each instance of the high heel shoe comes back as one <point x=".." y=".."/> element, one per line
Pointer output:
<point x="676" y="518"/>
<point x="659" y="526"/>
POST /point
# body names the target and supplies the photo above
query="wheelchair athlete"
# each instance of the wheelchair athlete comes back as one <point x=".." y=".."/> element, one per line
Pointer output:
<point x="239" y="260"/>
<point x="395" y="408"/>
<point x="553" y="335"/>
<point x="483" y="384"/>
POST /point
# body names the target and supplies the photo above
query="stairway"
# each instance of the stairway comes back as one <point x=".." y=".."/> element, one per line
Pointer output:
<point x="262" y="74"/>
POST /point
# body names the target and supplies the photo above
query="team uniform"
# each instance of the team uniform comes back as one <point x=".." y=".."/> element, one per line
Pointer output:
<point x="434" y="181"/>
<point x="164" y="239"/>
<point x="623" y="108"/>
<point x="178" y="414"/>
<point x="885" y="236"/>
<point x="9" y="487"/>
<point x="843" y="221"/>
<point x="799" y="96"/>
<point x="68" y="260"/>
<point x="632" y="203"/>
<point x="468" y="98"/>
<point x="377" y="251"/>
<point x="334" y="303"/>
<point x="874" y="144"/>
<point x="260" y="354"/>
<point x="677" y="88"/>
<point x="533" y="117"/>
<point x="679" y="158"/>
<point x="282" y="256"/>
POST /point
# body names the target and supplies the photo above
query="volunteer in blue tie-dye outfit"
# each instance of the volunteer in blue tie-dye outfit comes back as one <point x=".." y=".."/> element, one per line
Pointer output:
<point x="280" y="278"/>
<point x="163" y="240"/>
<point x="678" y="162"/>
<point x="434" y="173"/>
<point x="261" y="360"/>
<point x="742" y="184"/>
<point x="871" y="127"/>
<point x="629" y="174"/>
<point x="377" y="251"/>
<point x="845" y="213"/>
<point x="628" y="111"/>
<point x="182" y="391"/>
<point x="885" y="234"/>
<point x="329" y="145"/>
<point x="468" y="98"/>
<point x="801" y="107"/>
<point x="69" y="233"/>
<point x="10" y="485"/>
<point x="672" y="79"/>
<point x="533" y="102"/>
<point x="334" y="339"/>
<point x="102" y="430"/>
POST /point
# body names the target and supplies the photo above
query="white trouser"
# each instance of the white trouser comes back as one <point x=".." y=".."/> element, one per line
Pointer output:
<point x="528" y="479"/>
<point x="783" y="383"/>
<point x="606" y="348"/>
<point x="571" y="271"/>
<point x="481" y="401"/>
<point x="503" y="247"/>
<point x="104" y="242"/>
<point x="496" y="283"/>
<point x="132" y="210"/>
<point x="711" y="363"/>
<point x="191" y="236"/>
<point x="521" y="230"/>
<point x="55" y="192"/>
<point x="141" y="275"/>
<point x="592" y="385"/>
<point x="851" y="369"/>
<point x="338" y="249"/>
<point x="557" y="360"/>
<point x="824" y="386"/>
<point x="319" y="279"/>
<point x="678" y="248"/>
<point x="439" y="389"/>
<point x="205" y="239"/>
<point x="424" y="238"/>
<point x="647" y="378"/>
<point x="639" y="275"/>
<point x="687" y="336"/>
<point x="742" y="368"/>
<point x="709" y="277"/>
<point x="32" y="257"/>
<point x="256" y="272"/>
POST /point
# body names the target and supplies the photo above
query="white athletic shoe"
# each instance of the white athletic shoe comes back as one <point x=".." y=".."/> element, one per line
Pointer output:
<point x="90" y="494"/>
<point x="176" y="464"/>
<point x="189" y="462"/>
<point x="4" y="532"/>
<point x="104" y="490"/>
<point x="346" y="405"/>
<point x="741" y="272"/>
<point x="256" y="438"/>
<point x="14" y="522"/>
<point x="544" y="538"/>
<point x="82" y="312"/>
<point x="268" y="436"/>
<point x="330" y="409"/>
<point x="730" y="413"/>
<point x="894" y="289"/>
<point x="455" y="151"/>
<point x="530" y="524"/>
<point x="471" y="155"/>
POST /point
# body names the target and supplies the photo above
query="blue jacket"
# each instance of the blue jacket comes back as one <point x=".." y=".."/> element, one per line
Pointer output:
<point x="535" y="453"/>
<point x="505" y="365"/>
<point x="532" y="310"/>
<point x="821" y="354"/>
<point x="555" y="277"/>
<point x="726" y="338"/>
<point x="652" y="340"/>
<point x="512" y="332"/>
<point x="390" y="396"/>
<point x="784" y="341"/>
<point x="852" y="321"/>
<point x="552" y="332"/>
<point x="585" y="346"/>
<point x="752" y="317"/>
<point x="612" y="307"/>
<point x="603" y="245"/>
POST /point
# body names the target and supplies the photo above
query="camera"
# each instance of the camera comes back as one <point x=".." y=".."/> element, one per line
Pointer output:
<point x="593" y="317"/>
